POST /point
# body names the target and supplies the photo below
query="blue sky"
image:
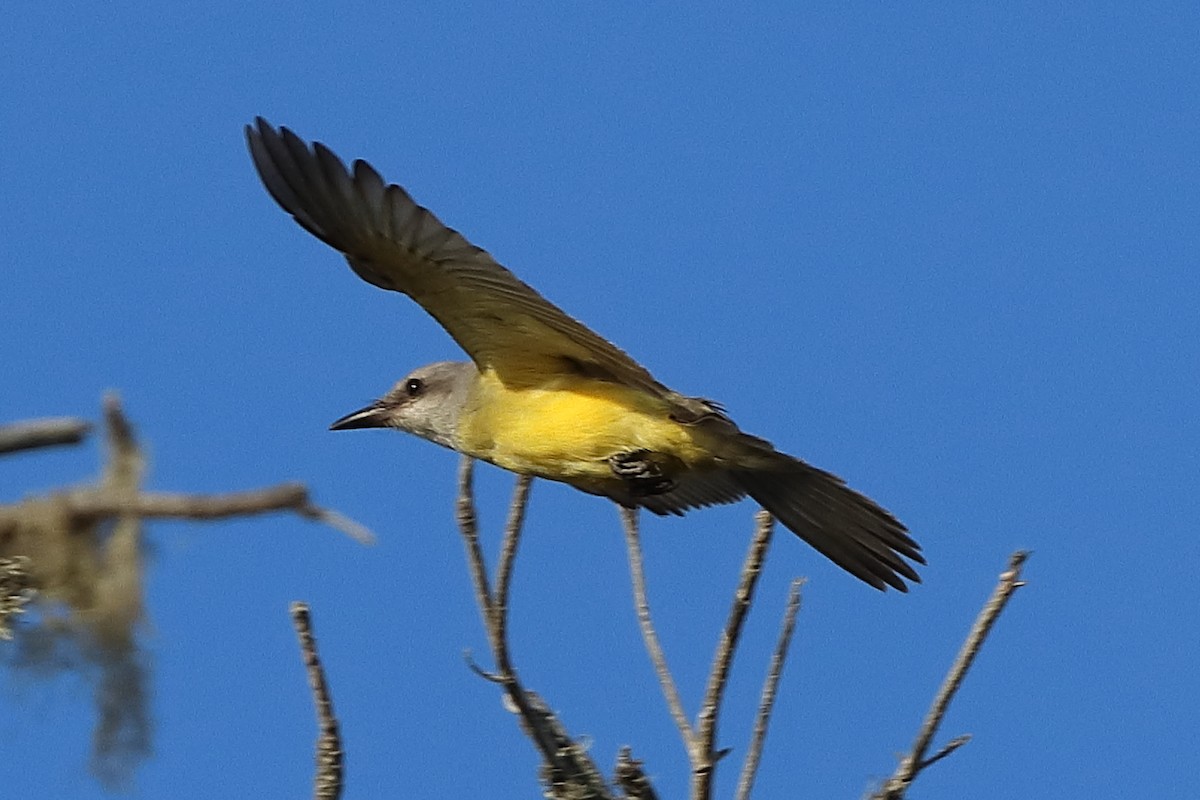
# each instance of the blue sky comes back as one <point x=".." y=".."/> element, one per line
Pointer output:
<point x="948" y="251"/>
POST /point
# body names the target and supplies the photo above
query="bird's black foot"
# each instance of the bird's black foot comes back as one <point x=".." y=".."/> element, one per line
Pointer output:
<point x="644" y="471"/>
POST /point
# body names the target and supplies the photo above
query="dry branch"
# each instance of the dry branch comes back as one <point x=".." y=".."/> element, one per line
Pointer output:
<point x="88" y="505"/>
<point x="704" y="758"/>
<point x="82" y="553"/>
<point x="15" y="592"/>
<point x="568" y="772"/>
<point x="767" y="700"/>
<point x="37" y="433"/>
<point x="631" y="778"/>
<point x="915" y="762"/>
<point x="641" y="602"/>
<point x="700" y="740"/>
<point x="327" y="785"/>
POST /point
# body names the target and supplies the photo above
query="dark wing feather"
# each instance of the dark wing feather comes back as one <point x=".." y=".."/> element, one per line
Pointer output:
<point x="694" y="489"/>
<point x="845" y="526"/>
<point x="391" y="242"/>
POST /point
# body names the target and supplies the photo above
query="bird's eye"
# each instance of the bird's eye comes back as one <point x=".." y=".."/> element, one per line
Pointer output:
<point x="414" y="386"/>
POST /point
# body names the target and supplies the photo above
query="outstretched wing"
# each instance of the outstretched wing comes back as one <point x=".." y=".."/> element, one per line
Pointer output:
<point x="391" y="242"/>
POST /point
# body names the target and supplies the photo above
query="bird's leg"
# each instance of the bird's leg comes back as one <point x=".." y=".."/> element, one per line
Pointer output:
<point x="644" y="471"/>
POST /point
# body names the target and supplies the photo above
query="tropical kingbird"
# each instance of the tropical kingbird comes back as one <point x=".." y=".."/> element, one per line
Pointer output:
<point x="545" y="396"/>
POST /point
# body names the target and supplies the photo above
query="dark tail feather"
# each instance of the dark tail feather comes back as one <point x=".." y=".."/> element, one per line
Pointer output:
<point x="846" y="527"/>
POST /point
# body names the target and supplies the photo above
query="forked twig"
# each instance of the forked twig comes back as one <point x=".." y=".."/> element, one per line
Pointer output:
<point x="700" y="740"/>
<point x="568" y="770"/>
<point x="327" y="785"/>
<point x="508" y="555"/>
<point x="704" y="758"/>
<point x="913" y="763"/>
<point x="468" y="526"/>
<point x="770" y="685"/>
<point x="629" y="519"/>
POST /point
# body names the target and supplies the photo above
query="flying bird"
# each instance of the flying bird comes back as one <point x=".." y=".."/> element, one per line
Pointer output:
<point x="545" y="396"/>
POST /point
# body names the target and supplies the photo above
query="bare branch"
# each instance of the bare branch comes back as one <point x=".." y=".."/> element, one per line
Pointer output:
<point x="93" y="505"/>
<point x="498" y="623"/>
<point x="631" y="778"/>
<point x="339" y="522"/>
<point x="770" y="685"/>
<point x="950" y="747"/>
<point x="121" y="440"/>
<point x="81" y="551"/>
<point x="37" y="433"/>
<point x="508" y="555"/>
<point x="468" y="526"/>
<point x="572" y="775"/>
<point x="629" y="519"/>
<point x="88" y="504"/>
<point x="327" y="785"/>
<point x="704" y="760"/>
<point x="915" y="761"/>
<point x="568" y="771"/>
<point x="473" y="665"/>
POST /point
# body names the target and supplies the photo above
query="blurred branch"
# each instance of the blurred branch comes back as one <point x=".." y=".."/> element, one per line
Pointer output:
<point x="15" y="592"/>
<point x="770" y="685"/>
<point x="631" y="778"/>
<point x="87" y="504"/>
<point x="37" y="433"/>
<point x="567" y="771"/>
<point x="915" y="762"/>
<point x="327" y="785"/>
<point x="80" y="549"/>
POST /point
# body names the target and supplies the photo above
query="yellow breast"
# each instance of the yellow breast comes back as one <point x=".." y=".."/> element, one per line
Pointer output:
<point x="568" y="427"/>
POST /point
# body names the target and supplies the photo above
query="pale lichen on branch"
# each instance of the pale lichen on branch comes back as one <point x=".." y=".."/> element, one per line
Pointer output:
<point x="80" y="550"/>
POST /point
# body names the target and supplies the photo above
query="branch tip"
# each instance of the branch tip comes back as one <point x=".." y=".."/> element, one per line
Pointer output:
<point x="913" y="763"/>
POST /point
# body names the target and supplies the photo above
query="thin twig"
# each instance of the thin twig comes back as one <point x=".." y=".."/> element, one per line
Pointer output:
<point x="468" y="526"/>
<point x="327" y="784"/>
<point x="913" y="763"/>
<point x="950" y="747"/>
<point x="629" y="519"/>
<point x="705" y="759"/>
<point x="473" y="665"/>
<point x="117" y="426"/>
<point x="770" y="686"/>
<point x="508" y="555"/>
<point x="339" y="522"/>
<point x="37" y="433"/>
<point x="498" y="624"/>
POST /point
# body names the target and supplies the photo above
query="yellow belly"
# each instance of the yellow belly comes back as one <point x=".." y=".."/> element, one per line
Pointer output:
<point x="569" y="427"/>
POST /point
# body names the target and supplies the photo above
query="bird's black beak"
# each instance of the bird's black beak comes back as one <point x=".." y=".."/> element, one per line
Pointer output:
<point x="373" y="416"/>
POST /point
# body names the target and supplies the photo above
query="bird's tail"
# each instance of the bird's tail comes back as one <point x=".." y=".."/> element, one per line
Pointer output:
<point x="848" y="528"/>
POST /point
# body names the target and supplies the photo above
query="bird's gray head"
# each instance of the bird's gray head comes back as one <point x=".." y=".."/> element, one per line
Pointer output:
<point x="426" y="402"/>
